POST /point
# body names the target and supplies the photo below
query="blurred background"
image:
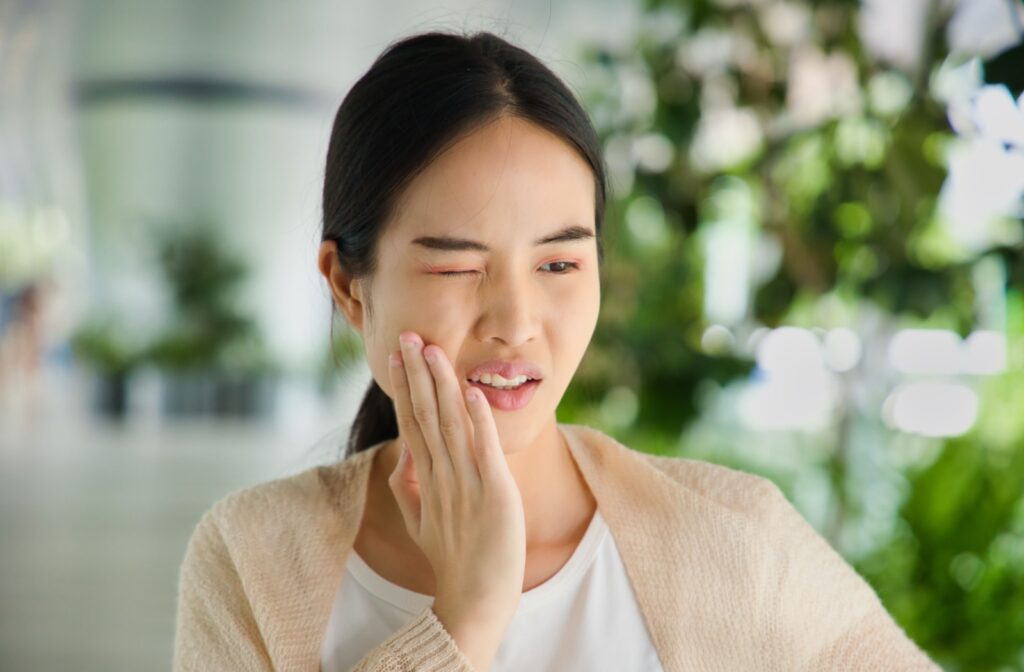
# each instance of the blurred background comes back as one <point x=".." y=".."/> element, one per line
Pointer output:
<point x="826" y="199"/>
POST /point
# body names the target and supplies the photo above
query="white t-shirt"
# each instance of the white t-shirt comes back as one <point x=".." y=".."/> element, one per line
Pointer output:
<point x="585" y="617"/>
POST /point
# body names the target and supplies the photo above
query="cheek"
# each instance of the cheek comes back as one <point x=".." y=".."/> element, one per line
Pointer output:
<point x="579" y="300"/>
<point x="425" y="294"/>
<point x="433" y="326"/>
<point x="575" y="320"/>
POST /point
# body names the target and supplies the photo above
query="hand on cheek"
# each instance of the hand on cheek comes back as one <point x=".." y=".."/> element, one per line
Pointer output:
<point x="458" y="498"/>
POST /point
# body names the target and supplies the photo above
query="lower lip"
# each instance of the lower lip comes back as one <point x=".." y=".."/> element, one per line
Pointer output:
<point x="508" y="400"/>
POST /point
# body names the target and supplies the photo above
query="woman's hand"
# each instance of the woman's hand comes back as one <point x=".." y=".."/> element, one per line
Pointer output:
<point x="457" y="496"/>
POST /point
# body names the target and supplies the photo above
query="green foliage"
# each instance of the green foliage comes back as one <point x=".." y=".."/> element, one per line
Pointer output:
<point x="209" y="328"/>
<point x="708" y="132"/>
<point x="103" y="344"/>
<point x="953" y="573"/>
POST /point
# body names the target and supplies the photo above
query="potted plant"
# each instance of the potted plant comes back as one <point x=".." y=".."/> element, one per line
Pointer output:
<point x="104" y="344"/>
<point x="212" y="355"/>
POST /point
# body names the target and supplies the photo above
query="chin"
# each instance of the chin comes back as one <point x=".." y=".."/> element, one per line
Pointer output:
<point x="511" y="446"/>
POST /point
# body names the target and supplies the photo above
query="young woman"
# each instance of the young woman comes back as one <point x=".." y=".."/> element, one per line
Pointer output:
<point x="467" y="529"/>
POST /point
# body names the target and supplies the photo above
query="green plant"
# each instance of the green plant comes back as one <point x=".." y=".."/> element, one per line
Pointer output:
<point x="209" y="329"/>
<point x="103" y="343"/>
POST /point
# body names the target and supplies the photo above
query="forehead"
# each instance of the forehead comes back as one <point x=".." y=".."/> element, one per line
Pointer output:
<point x="508" y="178"/>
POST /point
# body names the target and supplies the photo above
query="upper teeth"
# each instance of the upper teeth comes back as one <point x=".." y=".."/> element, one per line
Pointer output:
<point x="496" y="380"/>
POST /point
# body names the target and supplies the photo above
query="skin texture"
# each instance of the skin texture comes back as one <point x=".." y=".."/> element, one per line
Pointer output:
<point x="505" y="184"/>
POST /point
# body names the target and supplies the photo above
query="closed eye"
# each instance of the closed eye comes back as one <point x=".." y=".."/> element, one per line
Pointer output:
<point x="455" y="272"/>
<point x="565" y="265"/>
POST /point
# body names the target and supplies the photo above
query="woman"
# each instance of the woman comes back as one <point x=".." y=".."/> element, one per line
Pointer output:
<point x="467" y="529"/>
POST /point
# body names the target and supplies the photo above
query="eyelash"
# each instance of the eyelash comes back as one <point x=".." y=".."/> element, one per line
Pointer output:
<point x="571" y="264"/>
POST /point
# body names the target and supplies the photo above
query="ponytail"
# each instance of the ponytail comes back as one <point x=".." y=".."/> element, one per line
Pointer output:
<point x="375" y="422"/>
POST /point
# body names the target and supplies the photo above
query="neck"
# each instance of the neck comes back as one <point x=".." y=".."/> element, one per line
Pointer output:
<point x="556" y="499"/>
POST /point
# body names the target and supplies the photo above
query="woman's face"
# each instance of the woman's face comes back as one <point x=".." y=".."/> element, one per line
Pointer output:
<point x="504" y="187"/>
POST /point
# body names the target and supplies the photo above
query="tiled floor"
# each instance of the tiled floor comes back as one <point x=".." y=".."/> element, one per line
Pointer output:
<point x="95" y="517"/>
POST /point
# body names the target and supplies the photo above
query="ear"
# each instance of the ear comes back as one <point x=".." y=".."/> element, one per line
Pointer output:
<point x="347" y="292"/>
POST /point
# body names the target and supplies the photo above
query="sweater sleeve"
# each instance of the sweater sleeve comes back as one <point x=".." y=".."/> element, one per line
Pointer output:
<point x="422" y="644"/>
<point x="830" y="618"/>
<point x="215" y="628"/>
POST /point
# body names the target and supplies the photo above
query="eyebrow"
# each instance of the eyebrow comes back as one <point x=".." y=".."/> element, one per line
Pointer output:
<point x="449" y="243"/>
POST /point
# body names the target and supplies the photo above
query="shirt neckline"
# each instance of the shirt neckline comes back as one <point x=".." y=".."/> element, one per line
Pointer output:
<point x="412" y="602"/>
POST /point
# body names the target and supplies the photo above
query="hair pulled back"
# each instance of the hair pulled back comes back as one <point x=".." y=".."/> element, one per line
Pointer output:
<point x="420" y="96"/>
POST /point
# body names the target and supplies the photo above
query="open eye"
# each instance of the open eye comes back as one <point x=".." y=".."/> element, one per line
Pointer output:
<point x="566" y="265"/>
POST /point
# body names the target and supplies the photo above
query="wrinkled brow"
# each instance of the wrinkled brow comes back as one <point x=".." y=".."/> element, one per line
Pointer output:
<point x="449" y="243"/>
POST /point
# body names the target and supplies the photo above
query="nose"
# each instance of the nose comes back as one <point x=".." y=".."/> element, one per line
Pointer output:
<point x="509" y="309"/>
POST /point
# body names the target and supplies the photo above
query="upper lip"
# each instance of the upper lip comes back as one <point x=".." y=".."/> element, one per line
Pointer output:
<point x="507" y="369"/>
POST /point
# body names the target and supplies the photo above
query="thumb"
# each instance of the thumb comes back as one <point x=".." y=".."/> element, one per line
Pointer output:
<point x="406" y="489"/>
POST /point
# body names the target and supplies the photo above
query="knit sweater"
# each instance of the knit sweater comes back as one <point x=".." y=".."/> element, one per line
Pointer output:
<point x="727" y="574"/>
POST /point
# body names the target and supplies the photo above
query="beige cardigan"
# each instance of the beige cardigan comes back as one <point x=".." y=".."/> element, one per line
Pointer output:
<point x="727" y="573"/>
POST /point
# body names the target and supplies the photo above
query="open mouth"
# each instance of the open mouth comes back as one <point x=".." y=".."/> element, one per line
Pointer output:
<point x="509" y="398"/>
<point x="515" y="383"/>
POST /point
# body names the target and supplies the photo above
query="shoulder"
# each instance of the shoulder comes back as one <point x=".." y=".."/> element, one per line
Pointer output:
<point x="258" y="554"/>
<point x="803" y="564"/>
<point x="756" y="499"/>
<point x="290" y="505"/>
<point x="740" y="492"/>
<point x="804" y="594"/>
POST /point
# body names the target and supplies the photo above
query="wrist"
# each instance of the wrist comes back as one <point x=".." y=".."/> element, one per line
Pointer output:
<point x="478" y="640"/>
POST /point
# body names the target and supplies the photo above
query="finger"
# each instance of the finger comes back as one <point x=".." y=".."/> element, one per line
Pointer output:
<point x="404" y="485"/>
<point x="486" y="444"/>
<point x="408" y="428"/>
<point x="454" y="421"/>
<point x="423" y="404"/>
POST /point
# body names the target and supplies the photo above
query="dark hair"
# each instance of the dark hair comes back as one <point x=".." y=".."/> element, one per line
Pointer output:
<point x="418" y="98"/>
